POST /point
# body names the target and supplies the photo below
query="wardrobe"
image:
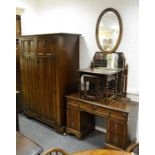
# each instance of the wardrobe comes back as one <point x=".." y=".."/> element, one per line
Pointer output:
<point x="49" y="64"/>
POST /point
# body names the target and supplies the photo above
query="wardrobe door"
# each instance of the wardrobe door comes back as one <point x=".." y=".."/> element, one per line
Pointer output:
<point x="28" y="75"/>
<point x="18" y="33"/>
<point x="46" y="78"/>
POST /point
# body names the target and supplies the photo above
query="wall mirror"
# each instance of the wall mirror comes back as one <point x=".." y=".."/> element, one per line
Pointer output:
<point x="108" y="30"/>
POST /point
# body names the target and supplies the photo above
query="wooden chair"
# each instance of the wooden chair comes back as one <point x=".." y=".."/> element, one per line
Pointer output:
<point x="101" y="152"/>
<point x="133" y="148"/>
<point x="56" y="151"/>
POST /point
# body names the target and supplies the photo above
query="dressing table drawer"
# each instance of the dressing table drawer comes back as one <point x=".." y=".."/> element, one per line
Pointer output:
<point x="73" y="103"/>
<point x="119" y="115"/>
<point x="87" y="107"/>
<point x="102" y="111"/>
<point x="95" y="109"/>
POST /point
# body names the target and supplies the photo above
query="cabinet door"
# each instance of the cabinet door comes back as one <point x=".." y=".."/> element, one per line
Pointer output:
<point x="118" y="141"/>
<point x="28" y="73"/>
<point x="46" y="78"/>
<point x="117" y="133"/>
<point x="73" y="118"/>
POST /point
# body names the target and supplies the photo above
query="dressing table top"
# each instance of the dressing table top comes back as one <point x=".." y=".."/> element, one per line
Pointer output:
<point x="119" y="104"/>
<point x="100" y="71"/>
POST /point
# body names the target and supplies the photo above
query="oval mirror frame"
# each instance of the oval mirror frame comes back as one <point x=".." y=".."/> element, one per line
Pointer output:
<point x="120" y="30"/>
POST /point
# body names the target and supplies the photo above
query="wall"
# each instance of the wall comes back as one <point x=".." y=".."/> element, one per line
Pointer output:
<point x="47" y="16"/>
<point x="27" y="9"/>
<point x="80" y="16"/>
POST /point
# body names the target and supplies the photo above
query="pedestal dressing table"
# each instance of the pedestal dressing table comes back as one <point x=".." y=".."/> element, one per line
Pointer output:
<point x="102" y="89"/>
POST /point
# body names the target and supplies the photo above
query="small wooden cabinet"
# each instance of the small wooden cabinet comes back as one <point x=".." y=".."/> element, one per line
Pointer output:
<point x="80" y="119"/>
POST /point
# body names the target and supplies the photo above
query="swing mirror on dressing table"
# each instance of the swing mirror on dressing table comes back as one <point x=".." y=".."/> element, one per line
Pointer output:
<point x="108" y="30"/>
<point x="108" y="37"/>
<point x="107" y="62"/>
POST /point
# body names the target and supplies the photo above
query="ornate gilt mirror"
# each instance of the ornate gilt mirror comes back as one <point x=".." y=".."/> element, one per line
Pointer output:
<point x="108" y="30"/>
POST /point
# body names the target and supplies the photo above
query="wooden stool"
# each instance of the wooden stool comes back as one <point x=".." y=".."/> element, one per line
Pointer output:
<point x="93" y="87"/>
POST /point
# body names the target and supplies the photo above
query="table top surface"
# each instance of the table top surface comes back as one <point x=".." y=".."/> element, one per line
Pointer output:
<point x="100" y="71"/>
<point x="123" y="105"/>
<point x="25" y="146"/>
<point x="101" y="152"/>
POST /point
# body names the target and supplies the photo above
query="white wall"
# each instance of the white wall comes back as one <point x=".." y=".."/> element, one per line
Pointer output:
<point x="29" y="15"/>
<point x="80" y="16"/>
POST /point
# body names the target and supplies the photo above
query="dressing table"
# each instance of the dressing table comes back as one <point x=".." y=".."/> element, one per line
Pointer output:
<point x="102" y="89"/>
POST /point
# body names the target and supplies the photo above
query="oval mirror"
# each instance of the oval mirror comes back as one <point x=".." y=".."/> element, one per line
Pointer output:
<point x="108" y="30"/>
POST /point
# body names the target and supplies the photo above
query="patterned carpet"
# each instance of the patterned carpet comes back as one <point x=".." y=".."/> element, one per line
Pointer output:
<point x="49" y="138"/>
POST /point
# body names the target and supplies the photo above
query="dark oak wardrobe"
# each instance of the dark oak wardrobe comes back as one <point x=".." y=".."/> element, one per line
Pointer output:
<point x="49" y="64"/>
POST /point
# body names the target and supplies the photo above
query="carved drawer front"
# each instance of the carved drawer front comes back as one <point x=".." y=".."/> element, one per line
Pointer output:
<point x="102" y="111"/>
<point x="117" y="127"/>
<point x="95" y="109"/>
<point x="87" y="107"/>
<point x="73" y="103"/>
<point x="73" y="117"/>
<point x="122" y="116"/>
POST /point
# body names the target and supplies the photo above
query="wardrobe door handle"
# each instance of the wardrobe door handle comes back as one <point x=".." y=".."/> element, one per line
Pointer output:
<point x="95" y="107"/>
<point x="49" y="54"/>
<point x="40" y="54"/>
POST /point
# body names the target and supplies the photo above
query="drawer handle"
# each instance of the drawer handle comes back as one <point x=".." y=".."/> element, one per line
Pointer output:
<point x="40" y="54"/>
<point x="115" y="140"/>
<point x="72" y="124"/>
<point x="49" y="54"/>
<point x="115" y="126"/>
<point x="124" y="114"/>
<point x="72" y="119"/>
<point x="95" y="107"/>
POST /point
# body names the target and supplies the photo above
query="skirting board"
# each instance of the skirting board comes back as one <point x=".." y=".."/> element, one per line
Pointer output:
<point x="133" y="97"/>
<point x="100" y="129"/>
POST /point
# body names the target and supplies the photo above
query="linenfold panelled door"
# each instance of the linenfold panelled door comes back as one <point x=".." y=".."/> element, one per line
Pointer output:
<point x="28" y="73"/>
<point x="46" y="48"/>
<point x="39" y="77"/>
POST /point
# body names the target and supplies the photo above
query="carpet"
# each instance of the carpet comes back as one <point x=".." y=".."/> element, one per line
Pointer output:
<point x="48" y="138"/>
